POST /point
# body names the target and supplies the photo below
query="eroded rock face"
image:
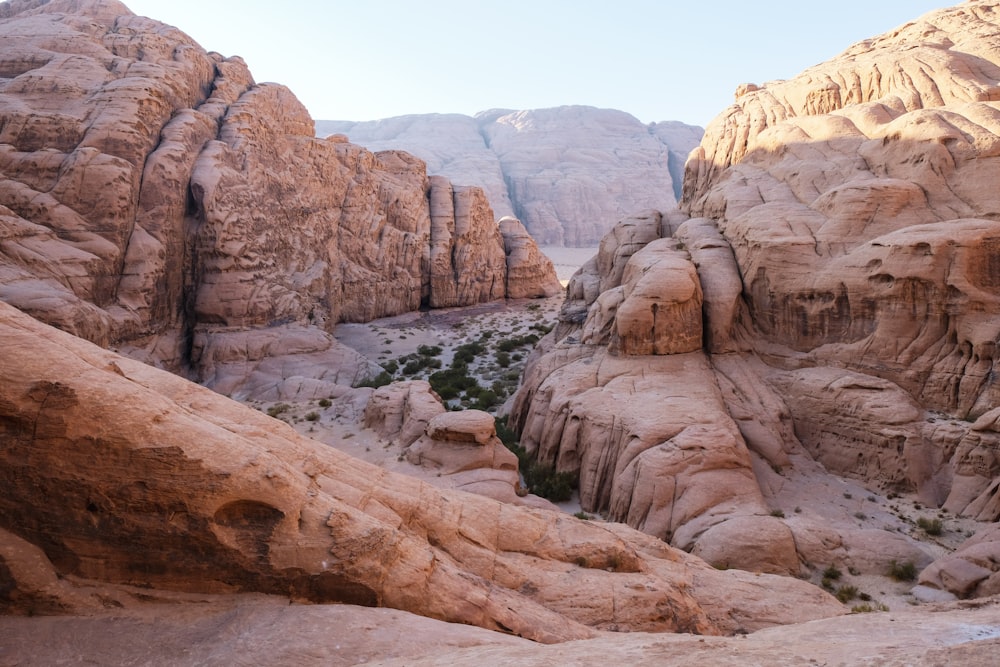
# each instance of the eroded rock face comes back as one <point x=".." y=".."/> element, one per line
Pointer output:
<point x="164" y="484"/>
<point x="973" y="570"/>
<point x="568" y="172"/>
<point x="525" y="263"/>
<point x="839" y="231"/>
<point x="155" y="198"/>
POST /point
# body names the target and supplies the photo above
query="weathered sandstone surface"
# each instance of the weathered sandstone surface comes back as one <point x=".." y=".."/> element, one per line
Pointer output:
<point x="568" y="173"/>
<point x="156" y="199"/>
<point x="165" y="485"/>
<point x="827" y="292"/>
<point x="239" y="629"/>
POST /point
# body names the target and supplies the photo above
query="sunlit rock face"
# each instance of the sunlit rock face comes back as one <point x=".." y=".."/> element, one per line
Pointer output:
<point x="116" y="473"/>
<point x="830" y="284"/>
<point x="568" y="173"/>
<point x="153" y="197"/>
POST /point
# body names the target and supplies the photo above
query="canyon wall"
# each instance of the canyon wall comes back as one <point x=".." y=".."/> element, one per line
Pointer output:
<point x="827" y="292"/>
<point x="568" y="173"/>
<point x="156" y="199"/>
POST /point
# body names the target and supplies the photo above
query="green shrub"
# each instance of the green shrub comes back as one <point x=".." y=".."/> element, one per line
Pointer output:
<point x="847" y="593"/>
<point x="325" y="403"/>
<point x="930" y="526"/>
<point x="412" y="367"/>
<point x="778" y="513"/>
<point x="277" y="409"/>
<point x="390" y="366"/>
<point x="487" y="399"/>
<point x="506" y="434"/>
<point x="312" y="417"/>
<point x="905" y="571"/>
<point x="449" y="383"/>
<point x="868" y="608"/>
<point x="466" y="353"/>
<point x="510" y="344"/>
<point x="429" y="350"/>
<point x="583" y="516"/>
<point x="542" y="480"/>
<point x="832" y="572"/>
<point x="503" y="359"/>
<point x="379" y="380"/>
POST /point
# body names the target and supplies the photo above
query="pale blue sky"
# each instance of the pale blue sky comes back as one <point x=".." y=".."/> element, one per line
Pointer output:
<point x="656" y="59"/>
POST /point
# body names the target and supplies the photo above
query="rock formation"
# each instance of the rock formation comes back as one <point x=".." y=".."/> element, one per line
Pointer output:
<point x="156" y="199"/>
<point x="567" y="173"/>
<point x="122" y="473"/>
<point x="826" y="293"/>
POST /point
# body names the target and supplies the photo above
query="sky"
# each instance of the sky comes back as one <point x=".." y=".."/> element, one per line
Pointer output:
<point x="655" y="59"/>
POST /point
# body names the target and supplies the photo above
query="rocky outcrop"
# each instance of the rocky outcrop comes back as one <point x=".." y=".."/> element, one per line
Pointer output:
<point x="156" y="199"/>
<point x="828" y="294"/>
<point x="567" y="173"/>
<point x="118" y="472"/>
<point x="457" y="450"/>
<point x="973" y="570"/>
<point x="525" y="264"/>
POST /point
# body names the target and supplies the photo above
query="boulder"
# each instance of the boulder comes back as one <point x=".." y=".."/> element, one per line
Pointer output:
<point x="972" y="570"/>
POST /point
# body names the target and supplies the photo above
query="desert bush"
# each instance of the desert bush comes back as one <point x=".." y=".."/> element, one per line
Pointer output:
<point x="277" y="409"/>
<point x="449" y="383"/>
<point x="503" y="359"/>
<point x="429" y="350"/>
<point x="868" y="608"/>
<point x="778" y="513"/>
<point x="506" y="434"/>
<point x="510" y="344"/>
<point x="325" y="403"/>
<point x="831" y="572"/>
<point x="930" y="526"/>
<point x="487" y="399"/>
<point x="905" y="571"/>
<point x="390" y="366"/>
<point x="847" y="593"/>
<point x="379" y="380"/>
<point x="312" y="417"/>
<point x="544" y="481"/>
<point x="466" y="353"/>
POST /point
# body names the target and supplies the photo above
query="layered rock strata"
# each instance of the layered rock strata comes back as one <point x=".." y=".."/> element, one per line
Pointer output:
<point x="568" y="172"/>
<point x="114" y="471"/>
<point x="156" y="199"/>
<point x="826" y="293"/>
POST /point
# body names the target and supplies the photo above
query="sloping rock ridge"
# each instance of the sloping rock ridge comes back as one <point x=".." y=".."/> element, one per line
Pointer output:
<point x="154" y="198"/>
<point x="568" y="173"/>
<point x="116" y="472"/>
<point x="825" y="300"/>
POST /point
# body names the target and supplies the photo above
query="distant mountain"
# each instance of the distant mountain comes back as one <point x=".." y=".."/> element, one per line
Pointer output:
<point x="568" y="173"/>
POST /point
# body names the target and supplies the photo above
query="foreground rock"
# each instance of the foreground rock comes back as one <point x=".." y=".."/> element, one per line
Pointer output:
<point x="827" y="293"/>
<point x="568" y="172"/>
<point x="156" y="199"/>
<point x="121" y="473"/>
<point x="236" y="630"/>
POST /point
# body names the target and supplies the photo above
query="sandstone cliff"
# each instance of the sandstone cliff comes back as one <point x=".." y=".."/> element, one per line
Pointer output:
<point x="120" y="473"/>
<point x="154" y="198"/>
<point x="567" y="173"/>
<point x="826" y="293"/>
